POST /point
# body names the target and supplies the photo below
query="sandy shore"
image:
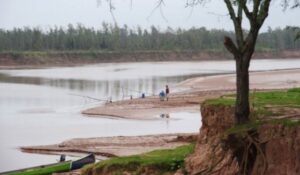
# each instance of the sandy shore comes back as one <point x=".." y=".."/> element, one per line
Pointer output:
<point x="190" y="93"/>
<point x="104" y="147"/>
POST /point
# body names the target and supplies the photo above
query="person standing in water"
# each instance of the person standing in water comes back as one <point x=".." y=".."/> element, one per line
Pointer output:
<point x="167" y="92"/>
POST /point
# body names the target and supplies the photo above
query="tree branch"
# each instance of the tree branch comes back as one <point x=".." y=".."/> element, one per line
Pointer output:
<point x="237" y="22"/>
<point x="231" y="11"/>
<point x="240" y="13"/>
<point x="245" y="8"/>
<point x="239" y="30"/>
<point x="263" y="12"/>
<point x="256" y="4"/>
<point x="230" y="46"/>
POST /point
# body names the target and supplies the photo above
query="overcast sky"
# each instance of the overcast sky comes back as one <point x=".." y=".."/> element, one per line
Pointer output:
<point x="91" y="13"/>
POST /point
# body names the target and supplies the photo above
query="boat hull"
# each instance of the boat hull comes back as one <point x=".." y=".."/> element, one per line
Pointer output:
<point x="53" y="168"/>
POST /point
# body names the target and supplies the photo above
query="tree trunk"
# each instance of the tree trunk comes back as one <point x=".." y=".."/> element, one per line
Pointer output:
<point x="242" y="109"/>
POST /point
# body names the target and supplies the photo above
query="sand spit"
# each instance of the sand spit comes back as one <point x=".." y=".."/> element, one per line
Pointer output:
<point x="192" y="92"/>
<point x="115" y="146"/>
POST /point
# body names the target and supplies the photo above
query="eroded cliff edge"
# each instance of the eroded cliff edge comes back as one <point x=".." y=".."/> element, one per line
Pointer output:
<point x="265" y="147"/>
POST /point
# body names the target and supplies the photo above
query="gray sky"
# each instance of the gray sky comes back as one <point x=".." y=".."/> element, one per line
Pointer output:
<point x="48" y="13"/>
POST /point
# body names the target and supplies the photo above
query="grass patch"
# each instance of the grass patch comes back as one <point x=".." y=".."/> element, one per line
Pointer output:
<point x="286" y="122"/>
<point x="261" y="101"/>
<point x="261" y="104"/>
<point x="289" y="97"/>
<point x="222" y="101"/>
<point x="243" y="128"/>
<point x="161" y="160"/>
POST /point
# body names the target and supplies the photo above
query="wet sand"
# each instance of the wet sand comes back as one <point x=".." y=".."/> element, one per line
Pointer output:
<point x="190" y="93"/>
<point x="104" y="147"/>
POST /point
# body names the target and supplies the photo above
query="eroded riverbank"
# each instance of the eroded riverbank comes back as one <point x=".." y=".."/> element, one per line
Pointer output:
<point x="46" y="59"/>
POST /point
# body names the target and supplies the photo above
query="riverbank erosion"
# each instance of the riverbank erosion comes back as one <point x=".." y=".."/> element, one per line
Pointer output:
<point x="268" y="144"/>
<point x="35" y="59"/>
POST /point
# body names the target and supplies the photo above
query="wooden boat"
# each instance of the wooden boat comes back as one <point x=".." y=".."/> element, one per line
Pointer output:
<point x="54" y="168"/>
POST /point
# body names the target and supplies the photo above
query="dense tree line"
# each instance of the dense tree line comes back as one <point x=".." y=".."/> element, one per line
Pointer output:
<point x="114" y="38"/>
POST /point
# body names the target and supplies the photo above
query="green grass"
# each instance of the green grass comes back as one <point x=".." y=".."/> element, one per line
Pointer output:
<point x="261" y="104"/>
<point x="160" y="160"/>
<point x="289" y="97"/>
<point x="243" y="128"/>
<point x="240" y="129"/>
<point x="285" y="122"/>
<point x="260" y="101"/>
<point x="227" y="100"/>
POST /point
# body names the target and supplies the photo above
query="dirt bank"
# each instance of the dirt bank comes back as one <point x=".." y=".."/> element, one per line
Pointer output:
<point x="75" y="58"/>
<point x="218" y="154"/>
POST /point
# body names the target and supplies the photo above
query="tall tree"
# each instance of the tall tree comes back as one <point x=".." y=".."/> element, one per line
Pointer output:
<point x="244" y="47"/>
<point x="255" y="11"/>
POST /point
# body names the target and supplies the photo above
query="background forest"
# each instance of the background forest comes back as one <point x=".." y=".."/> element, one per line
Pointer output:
<point x="114" y="38"/>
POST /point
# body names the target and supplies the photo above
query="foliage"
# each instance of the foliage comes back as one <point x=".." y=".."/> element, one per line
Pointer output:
<point x="160" y="160"/>
<point x="114" y="38"/>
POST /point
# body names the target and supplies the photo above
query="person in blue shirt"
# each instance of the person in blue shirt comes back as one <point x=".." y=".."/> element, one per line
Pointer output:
<point x="162" y="95"/>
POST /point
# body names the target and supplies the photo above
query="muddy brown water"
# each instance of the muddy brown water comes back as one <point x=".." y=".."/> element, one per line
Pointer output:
<point x="42" y="106"/>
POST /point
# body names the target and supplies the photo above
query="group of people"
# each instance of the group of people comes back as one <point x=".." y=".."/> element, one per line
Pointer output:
<point x="164" y="95"/>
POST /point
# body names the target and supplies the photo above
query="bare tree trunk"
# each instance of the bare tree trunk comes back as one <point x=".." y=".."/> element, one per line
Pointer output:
<point x="242" y="110"/>
<point x="244" y="48"/>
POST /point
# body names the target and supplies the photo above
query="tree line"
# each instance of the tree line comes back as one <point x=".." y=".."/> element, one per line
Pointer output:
<point x="114" y="38"/>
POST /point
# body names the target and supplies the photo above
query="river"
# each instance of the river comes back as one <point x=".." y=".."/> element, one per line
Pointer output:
<point x="42" y="106"/>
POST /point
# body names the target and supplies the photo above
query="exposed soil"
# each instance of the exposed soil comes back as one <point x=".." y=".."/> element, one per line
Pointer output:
<point x="50" y="59"/>
<point x="271" y="149"/>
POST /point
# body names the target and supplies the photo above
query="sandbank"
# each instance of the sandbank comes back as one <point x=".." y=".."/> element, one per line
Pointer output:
<point x="190" y="93"/>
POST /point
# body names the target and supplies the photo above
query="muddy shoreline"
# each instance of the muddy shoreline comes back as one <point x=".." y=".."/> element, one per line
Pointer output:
<point x="106" y="147"/>
<point x="21" y="60"/>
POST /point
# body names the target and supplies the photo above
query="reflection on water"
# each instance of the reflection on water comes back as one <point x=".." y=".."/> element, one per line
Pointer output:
<point x="102" y="89"/>
<point x="42" y="106"/>
<point x="36" y="110"/>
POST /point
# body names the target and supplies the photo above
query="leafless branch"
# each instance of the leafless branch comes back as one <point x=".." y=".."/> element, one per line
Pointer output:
<point x="158" y="6"/>
<point x="191" y="3"/>
<point x="111" y="8"/>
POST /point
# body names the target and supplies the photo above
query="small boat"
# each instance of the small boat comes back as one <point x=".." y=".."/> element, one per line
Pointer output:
<point x="54" y="168"/>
